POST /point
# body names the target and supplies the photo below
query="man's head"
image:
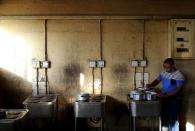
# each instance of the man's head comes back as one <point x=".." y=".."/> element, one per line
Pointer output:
<point x="169" y="65"/>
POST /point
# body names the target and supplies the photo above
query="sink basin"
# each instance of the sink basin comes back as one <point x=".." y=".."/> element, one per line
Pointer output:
<point x="41" y="106"/>
<point x="95" y="107"/>
<point x="14" y="120"/>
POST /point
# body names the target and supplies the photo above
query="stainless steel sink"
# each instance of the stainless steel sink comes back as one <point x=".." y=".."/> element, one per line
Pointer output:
<point x="14" y="120"/>
<point x="41" y="106"/>
<point x="145" y="108"/>
<point x="95" y="107"/>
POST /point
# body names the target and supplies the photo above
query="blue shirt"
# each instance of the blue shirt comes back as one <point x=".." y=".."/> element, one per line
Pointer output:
<point x="170" y="81"/>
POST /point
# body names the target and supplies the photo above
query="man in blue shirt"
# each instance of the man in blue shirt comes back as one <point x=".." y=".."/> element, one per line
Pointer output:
<point x="172" y="82"/>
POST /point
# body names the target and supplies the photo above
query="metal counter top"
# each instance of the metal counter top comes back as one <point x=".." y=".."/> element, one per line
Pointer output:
<point x="14" y="120"/>
<point x="41" y="106"/>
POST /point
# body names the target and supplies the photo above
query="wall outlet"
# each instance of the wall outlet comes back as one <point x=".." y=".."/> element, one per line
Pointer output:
<point x="143" y="63"/>
<point x="92" y="64"/>
<point x="36" y="64"/>
<point x="134" y="63"/>
<point x="101" y="63"/>
<point x="45" y="64"/>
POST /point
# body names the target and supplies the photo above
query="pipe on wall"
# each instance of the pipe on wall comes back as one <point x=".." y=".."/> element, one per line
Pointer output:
<point x="101" y="53"/>
<point x="46" y="58"/>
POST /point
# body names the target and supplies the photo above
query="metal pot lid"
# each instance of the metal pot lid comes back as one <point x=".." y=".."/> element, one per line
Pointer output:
<point x="83" y="95"/>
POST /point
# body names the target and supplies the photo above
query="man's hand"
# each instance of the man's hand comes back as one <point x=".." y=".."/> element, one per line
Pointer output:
<point x="161" y="95"/>
<point x="148" y="85"/>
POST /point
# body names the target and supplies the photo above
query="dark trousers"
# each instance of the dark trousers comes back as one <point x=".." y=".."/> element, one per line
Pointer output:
<point x="170" y="113"/>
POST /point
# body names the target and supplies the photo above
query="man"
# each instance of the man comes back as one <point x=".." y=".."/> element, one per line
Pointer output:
<point x="172" y="82"/>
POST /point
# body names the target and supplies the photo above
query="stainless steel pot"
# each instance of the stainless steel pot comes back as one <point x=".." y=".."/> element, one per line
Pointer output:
<point x="83" y="97"/>
<point x="131" y="93"/>
<point x="150" y="96"/>
<point x="139" y="96"/>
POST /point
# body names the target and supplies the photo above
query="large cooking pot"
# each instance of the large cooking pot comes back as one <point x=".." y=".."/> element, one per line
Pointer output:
<point x="138" y="96"/>
<point x="150" y="96"/>
<point x="83" y="97"/>
<point x="131" y="93"/>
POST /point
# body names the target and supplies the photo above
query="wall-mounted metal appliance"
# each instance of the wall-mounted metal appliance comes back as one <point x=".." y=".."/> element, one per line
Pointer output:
<point x="41" y="106"/>
<point x="93" y="110"/>
<point x="13" y="119"/>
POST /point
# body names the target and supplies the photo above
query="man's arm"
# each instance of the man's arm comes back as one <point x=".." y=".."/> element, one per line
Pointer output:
<point x="154" y="83"/>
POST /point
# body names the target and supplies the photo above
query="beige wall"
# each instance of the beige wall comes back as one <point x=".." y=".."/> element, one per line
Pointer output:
<point x="118" y="78"/>
<point x="97" y="7"/>
<point x="20" y="42"/>
<point x="71" y="43"/>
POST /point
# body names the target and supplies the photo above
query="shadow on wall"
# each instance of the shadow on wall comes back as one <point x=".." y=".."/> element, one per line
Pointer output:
<point x="72" y="80"/>
<point x="13" y="90"/>
<point x="121" y="78"/>
<point x="120" y="69"/>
